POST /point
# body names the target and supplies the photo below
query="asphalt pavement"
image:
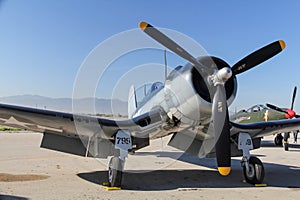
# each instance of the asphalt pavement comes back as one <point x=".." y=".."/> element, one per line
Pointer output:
<point x="157" y="172"/>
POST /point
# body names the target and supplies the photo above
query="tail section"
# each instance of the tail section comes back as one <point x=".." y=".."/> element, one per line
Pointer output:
<point x="132" y="104"/>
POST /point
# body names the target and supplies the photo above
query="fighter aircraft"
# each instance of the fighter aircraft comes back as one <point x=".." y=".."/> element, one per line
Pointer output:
<point x="260" y="113"/>
<point x="192" y="105"/>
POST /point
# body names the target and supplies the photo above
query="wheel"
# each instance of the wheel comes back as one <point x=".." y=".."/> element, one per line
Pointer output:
<point x="256" y="172"/>
<point x="278" y="140"/>
<point x="115" y="172"/>
<point x="286" y="146"/>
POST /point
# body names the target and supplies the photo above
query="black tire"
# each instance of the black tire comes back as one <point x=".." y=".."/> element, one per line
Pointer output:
<point x="278" y="140"/>
<point x="256" y="173"/>
<point x="115" y="168"/>
<point x="286" y="146"/>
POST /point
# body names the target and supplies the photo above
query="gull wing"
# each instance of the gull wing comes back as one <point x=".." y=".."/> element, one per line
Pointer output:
<point x="79" y="134"/>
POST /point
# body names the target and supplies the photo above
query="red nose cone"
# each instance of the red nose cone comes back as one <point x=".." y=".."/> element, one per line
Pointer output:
<point x="290" y="114"/>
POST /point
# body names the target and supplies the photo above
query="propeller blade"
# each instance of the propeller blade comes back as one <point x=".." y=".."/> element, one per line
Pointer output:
<point x="258" y="57"/>
<point x="170" y="44"/>
<point x="222" y="130"/>
<point x="219" y="107"/>
<point x="294" y="96"/>
<point x="276" y="108"/>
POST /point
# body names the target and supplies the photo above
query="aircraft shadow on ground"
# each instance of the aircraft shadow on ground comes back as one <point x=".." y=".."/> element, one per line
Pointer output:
<point x="276" y="176"/>
<point x="10" y="197"/>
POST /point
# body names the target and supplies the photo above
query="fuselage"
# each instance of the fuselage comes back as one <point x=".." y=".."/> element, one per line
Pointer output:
<point x="185" y="96"/>
<point x="258" y="113"/>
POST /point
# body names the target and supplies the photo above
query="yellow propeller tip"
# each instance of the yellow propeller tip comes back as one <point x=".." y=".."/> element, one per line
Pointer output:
<point x="143" y="25"/>
<point x="282" y="44"/>
<point x="224" y="171"/>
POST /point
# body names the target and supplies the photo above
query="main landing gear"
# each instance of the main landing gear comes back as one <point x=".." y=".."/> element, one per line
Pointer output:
<point x="286" y="137"/>
<point x="115" y="171"/>
<point x="278" y="140"/>
<point x="116" y="164"/>
<point x="253" y="168"/>
<point x="255" y="173"/>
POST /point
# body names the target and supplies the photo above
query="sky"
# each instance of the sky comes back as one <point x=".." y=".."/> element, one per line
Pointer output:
<point x="44" y="44"/>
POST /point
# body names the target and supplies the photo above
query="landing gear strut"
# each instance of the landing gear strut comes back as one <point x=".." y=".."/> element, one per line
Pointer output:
<point x="253" y="168"/>
<point x="116" y="164"/>
<point x="286" y="141"/>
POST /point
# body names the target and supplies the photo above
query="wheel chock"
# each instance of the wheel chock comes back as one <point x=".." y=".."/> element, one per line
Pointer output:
<point x="261" y="185"/>
<point x="257" y="185"/>
<point x="112" y="188"/>
<point x="107" y="188"/>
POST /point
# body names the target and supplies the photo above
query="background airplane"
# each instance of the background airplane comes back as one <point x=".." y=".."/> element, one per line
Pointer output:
<point x="192" y="105"/>
<point x="260" y="113"/>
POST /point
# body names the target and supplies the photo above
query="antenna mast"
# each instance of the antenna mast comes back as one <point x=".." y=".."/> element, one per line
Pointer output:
<point x="166" y="65"/>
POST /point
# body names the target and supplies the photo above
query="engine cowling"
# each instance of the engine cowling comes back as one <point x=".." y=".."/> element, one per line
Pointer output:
<point x="201" y="87"/>
<point x="185" y="81"/>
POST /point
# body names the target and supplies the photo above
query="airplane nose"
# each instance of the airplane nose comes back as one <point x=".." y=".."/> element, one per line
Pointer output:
<point x="290" y="114"/>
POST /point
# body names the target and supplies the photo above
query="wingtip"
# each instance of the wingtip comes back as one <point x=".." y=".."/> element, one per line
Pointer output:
<point x="224" y="171"/>
<point x="143" y="25"/>
<point x="282" y="44"/>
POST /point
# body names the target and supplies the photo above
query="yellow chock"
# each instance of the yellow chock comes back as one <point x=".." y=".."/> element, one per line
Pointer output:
<point x="257" y="185"/>
<point x="261" y="185"/>
<point x="112" y="188"/>
<point x="107" y="188"/>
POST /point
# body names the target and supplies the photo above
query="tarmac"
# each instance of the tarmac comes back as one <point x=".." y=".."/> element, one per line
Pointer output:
<point x="156" y="172"/>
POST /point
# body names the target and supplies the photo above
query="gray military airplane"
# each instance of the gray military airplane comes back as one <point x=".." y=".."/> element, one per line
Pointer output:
<point x="192" y="105"/>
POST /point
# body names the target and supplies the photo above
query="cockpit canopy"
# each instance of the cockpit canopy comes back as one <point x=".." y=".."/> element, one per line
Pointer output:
<point x="257" y="108"/>
<point x="146" y="91"/>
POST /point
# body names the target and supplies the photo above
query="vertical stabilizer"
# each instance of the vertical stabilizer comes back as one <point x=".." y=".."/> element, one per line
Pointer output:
<point x="132" y="104"/>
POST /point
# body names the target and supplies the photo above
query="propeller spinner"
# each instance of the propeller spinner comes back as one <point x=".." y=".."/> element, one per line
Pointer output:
<point x="217" y="79"/>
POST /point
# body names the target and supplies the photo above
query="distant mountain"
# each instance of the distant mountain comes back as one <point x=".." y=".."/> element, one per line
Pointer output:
<point x="85" y="105"/>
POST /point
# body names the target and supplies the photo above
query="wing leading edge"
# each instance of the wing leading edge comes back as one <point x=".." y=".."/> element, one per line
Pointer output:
<point x="260" y="129"/>
<point x="80" y="134"/>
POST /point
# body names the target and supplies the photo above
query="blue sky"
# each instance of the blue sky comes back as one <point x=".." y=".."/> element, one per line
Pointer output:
<point x="44" y="43"/>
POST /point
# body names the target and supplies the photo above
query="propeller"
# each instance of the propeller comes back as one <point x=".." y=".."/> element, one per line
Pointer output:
<point x="290" y="113"/>
<point x="258" y="57"/>
<point x="294" y="96"/>
<point x="170" y="44"/>
<point x="276" y="108"/>
<point x="217" y="80"/>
